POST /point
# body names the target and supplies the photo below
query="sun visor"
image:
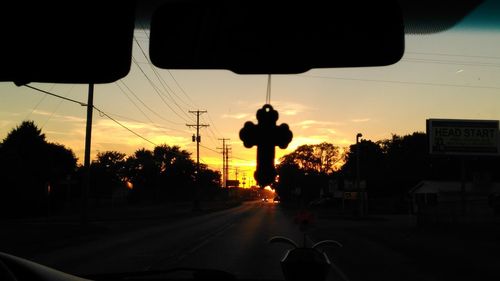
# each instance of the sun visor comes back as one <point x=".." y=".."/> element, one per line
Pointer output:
<point x="66" y="41"/>
<point x="261" y="37"/>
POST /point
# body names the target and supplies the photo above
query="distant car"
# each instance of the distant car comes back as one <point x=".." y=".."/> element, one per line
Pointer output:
<point x="264" y="199"/>
<point x="276" y="199"/>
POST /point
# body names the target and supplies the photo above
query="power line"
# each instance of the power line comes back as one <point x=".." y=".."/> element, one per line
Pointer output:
<point x="452" y="55"/>
<point x="57" y="107"/>
<point x="238" y="158"/>
<point x="179" y="86"/>
<point x="157" y="90"/>
<point x="103" y="113"/>
<point x="143" y="113"/>
<point x="449" y="62"/>
<point x="398" y="82"/>
<point x="54" y="95"/>
<point x="147" y="107"/>
<point x="160" y="79"/>
<point x="213" y="124"/>
<point x="38" y="103"/>
<point x="51" y="115"/>
<point x="165" y="129"/>
<point x="100" y="111"/>
<point x="123" y="126"/>
<point x="133" y="102"/>
<point x="210" y="149"/>
<point x="175" y="80"/>
<point x="211" y="137"/>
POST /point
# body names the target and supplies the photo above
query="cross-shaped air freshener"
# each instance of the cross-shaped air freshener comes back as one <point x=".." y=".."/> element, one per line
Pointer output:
<point x="265" y="135"/>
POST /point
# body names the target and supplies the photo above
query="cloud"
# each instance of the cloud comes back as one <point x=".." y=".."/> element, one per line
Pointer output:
<point x="59" y="116"/>
<point x="317" y="139"/>
<point x="62" y="133"/>
<point x="329" y="131"/>
<point x="108" y="132"/>
<point x="290" y="108"/>
<point x="284" y="107"/>
<point x="236" y="116"/>
<point x="305" y="124"/>
<point x="359" y="120"/>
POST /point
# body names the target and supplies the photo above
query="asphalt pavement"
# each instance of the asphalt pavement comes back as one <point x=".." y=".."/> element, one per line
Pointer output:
<point x="235" y="240"/>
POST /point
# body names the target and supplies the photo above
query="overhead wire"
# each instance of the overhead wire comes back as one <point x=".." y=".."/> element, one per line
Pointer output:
<point x="165" y="86"/>
<point x="453" y="55"/>
<point x="157" y="91"/>
<point x="164" y="129"/>
<point x="175" y="81"/>
<point x="180" y="88"/>
<point x="55" y="95"/>
<point x="211" y="121"/>
<point x="147" y="107"/>
<point x="145" y="115"/>
<point x="210" y="149"/>
<point x="123" y="126"/>
<point x="398" y="82"/>
<point x="57" y="107"/>
<point x="449" y="62"/>
<point x="84" y="104"/>
<point x="38" y="104"/>
<point x="108" y="115"/>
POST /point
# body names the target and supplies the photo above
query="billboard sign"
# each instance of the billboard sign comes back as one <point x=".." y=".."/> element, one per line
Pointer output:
<point x="463" y="137"/>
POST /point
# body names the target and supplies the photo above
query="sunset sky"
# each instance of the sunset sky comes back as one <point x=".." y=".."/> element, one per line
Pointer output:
<point x="454" y="74"/>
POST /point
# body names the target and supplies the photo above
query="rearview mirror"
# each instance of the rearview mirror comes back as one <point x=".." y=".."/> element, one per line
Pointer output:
<point x="263" y="37"/>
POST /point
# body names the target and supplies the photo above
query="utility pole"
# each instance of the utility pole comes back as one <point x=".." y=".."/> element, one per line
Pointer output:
<point x="227" y="163"/>
<point x="224" y="177"/>
<point x="358" y="186"/>
<point x="197" y="138"/>
<point x="86" y="161"/>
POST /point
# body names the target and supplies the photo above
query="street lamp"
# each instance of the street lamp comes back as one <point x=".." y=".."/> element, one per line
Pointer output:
<point x="358" y="136"/>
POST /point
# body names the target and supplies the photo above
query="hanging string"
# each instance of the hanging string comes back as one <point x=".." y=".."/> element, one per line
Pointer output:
<point x="268" y="94"/>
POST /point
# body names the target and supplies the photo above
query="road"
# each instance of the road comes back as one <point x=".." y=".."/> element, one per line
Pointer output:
<point x="233" y="240"/>
<point x="236" y="240"/>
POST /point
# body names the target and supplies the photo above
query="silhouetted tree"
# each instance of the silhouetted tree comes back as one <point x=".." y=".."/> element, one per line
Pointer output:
<point x="321" y="158"/>
<point x="108" y="174"/>
<point x="29" y="165"/>
<point x="166" y="173"/>
<point x="61" y="164"/>
<point x="209" y="181"/>
<point x="142" y="171"/>
<point x="307" y="168"/>
<point x="372" y="165"/>
<point x="407" y="160"/>
<point x="176" y="172"/>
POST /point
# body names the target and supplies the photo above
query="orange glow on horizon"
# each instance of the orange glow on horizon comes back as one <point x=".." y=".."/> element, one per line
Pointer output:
<point x="129" y="185"/>
<point x="268" y="188"/>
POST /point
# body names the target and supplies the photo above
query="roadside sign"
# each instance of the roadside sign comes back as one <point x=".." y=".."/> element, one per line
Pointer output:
<point x="463" y="137"/>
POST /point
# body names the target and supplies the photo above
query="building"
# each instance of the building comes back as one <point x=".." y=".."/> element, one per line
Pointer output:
<point x="438" y="202"/>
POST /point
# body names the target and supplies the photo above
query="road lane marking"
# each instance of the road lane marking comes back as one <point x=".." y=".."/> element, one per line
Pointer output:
<point x="182" y="254"/>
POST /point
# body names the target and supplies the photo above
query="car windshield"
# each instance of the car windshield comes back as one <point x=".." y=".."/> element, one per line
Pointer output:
<point x="397" y="163"/>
